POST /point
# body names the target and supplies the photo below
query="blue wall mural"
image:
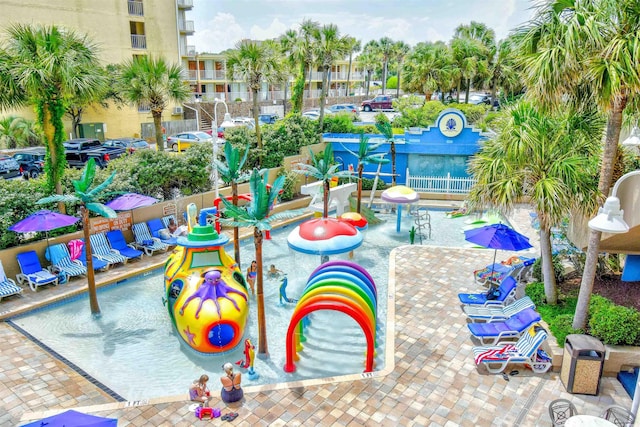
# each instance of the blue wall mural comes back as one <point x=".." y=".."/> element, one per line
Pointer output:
<point x="442" y="148"/>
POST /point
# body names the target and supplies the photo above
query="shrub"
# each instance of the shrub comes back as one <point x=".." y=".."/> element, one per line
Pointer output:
<point x="381" y="118"/>
<point x="367" y="184"/>
<point x="558" y="269"/>
<point x="615" y="325"/>
<point x="561" y="326"/>
<point x="289" y="187"/>
<point x="392" y="82"/>
<point x="339" y="123"/>
<point x="535" y="291"/>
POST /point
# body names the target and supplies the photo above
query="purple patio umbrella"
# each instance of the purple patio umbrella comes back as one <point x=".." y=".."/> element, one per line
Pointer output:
<point x="130" y="201"/>
<point x="497" y="236"/>
<point x="43" y="220"/>
<point x="74" y="418"/>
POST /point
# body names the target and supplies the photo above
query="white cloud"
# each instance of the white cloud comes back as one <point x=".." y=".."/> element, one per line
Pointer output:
<point x="275" y="29"/>
<point x="220" y="33"/>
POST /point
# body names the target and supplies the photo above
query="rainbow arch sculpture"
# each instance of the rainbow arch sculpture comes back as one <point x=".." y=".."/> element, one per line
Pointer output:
<point x="340" y="286"/>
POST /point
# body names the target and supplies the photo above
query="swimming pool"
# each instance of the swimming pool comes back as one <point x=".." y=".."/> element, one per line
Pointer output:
<point x="133" y="350"/>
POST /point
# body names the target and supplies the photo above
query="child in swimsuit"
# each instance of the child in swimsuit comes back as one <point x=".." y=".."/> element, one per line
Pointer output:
<point x="252" y="273"/>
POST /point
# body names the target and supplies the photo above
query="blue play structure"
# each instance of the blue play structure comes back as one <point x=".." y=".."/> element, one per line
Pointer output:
<point x="631" y="271"/>
<point x="629" y="380"/>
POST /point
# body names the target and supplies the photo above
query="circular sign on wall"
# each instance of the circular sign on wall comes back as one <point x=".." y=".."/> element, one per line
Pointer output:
<point x="451" y="124"/>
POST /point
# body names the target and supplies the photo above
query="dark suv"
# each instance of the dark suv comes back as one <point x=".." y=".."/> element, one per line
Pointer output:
<point x="9" y="168"/>
<point x="380" y="102"/>
<point x="31" y="162"/>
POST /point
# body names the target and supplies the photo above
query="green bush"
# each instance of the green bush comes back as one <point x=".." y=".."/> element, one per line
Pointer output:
<point x="561" y="326"/>
<point x="339" y="123"/>
<point x="558" y="269"/>
<point x="367" y="184"/>
<point x="616" y="325"/>
<point x="289" y="187"/>
<point x="392" y="82"/>
<point x="535" y="291"/>
<point x="381" y="118"/>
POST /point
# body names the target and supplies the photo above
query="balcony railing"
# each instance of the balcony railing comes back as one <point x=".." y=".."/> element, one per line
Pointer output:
<point x="135" y="8"/>
<point x="191" y="50"/>
<point x="207" y="75"/>
<point x="185" y="4"/>
<point x="186" y="26"/>
<point x="138" y="41"/>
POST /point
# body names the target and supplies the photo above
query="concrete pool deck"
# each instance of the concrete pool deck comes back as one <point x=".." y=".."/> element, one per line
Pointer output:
<point x="433" y="381"/>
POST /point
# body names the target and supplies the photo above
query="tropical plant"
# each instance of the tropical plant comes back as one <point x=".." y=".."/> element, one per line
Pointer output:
<point x="230" y="171"/>
<point x="472" y="46"/>
<point x="585" y="52"/>
<point x="366" y="156"/>
<point x="154" y="83"/>
<point x="368" y="60"/>
<point x="323" y="168"/>
<point x="16" y="132"/>
<point x="353" y="45"/>
<point x="387" y="131"/>
<point x="429" y="67"/>
<point x="44" y="66"/>
<point x="253" y="62"/>
<point x="86" y="197"/>
<point x="400" y="52"/>
<point x="547" y="159"/>
<point x="385" y="49"/>
<point x="256" y="214"/>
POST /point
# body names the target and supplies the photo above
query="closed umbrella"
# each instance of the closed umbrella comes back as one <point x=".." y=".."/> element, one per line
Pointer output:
<point x="497" y="236"/>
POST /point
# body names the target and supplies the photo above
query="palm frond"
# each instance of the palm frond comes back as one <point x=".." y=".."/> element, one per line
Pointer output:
<point x="58" y="198"/>
<point x="101" y="210"/>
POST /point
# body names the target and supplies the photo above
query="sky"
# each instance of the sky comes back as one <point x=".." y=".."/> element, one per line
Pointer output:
<point x="220" y="24"/>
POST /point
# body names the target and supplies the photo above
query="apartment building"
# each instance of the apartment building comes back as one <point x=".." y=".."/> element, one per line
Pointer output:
<point x="122" y="29"/>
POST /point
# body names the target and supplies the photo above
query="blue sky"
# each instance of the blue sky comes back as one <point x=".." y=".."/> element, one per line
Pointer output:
<point x="219" y="24"/>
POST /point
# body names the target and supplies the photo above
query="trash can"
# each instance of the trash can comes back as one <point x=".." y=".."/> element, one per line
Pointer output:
<point x="582" y="364"/>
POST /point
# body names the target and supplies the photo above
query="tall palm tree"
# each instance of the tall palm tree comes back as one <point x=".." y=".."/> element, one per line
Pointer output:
<point x="387" y="131"/>
<point x="44" y="66"/>
<point x="353" y="46"/>
<point x="254" y="62"/>
<point x="400" y="52"/>
<point x="291" y="60"/>
<point x="230" y="172"/>
<point x="308" y="36"/>
<point x="87" y="198"/>
<point x="256" y="215"/>
<point x="366" y="156"/>
<point x="329" y="46"/>
<point x="473" y="45"/>
<point x="467" y="54"/>
<point x="16" y="132"/>
<point x="385" y="50"/>
<point x="368" y="60"/>
<point x="155" y="83"/>
<point x="586" y="51"/>
<point x="504" y="73"/>
<point x="429" y="68"/>
<point x="547" y="159"/>
<point x="323" y="169"/>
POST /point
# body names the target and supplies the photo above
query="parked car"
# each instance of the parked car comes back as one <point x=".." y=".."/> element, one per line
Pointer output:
<point x="31" y="161"/>
<point x="182" y="141"/>
<point x="267" y="119"/>
<point x="130" y="144"/>
<point x="9" y="168"/>
<point x="380" y="102"/>
<point x="78" y="152"/>
<point x="314" y="113"/>
<point x="345" y="108"/>
<point x="478" y="98"/>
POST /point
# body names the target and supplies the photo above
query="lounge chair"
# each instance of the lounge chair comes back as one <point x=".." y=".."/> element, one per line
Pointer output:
<point x="496" y="313"/>
<point x="513" y="266"/>
<point x="8" y="286"/>
<point x="526" y="350"/>
<point x="98" y="264"/>
<point x="512" y="328"/>
<point x="101" y="249"/>
<point x="507" y="289"/>
<point x="32" y="272"/>
<point x="145" y="241"/>
<point x="62" y="264"/>
<point x="165" y="220"/>
<point x="117" y="242"/>
<point x="155" y="225"/>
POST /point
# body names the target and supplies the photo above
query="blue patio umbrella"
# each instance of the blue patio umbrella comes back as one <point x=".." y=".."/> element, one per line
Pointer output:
<point x="73" y="418"/>
<point x="497" y="236"/>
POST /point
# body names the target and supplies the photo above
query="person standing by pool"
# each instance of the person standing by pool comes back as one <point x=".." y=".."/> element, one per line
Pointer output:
<point x="231" y="390"/>
<point x="252" y="273"/>
<point x="198" y="392"/>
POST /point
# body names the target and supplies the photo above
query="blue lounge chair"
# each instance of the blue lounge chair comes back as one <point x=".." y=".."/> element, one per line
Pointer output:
<point x="8" y="286"/>
<point x="62" y="264"/>
<point x="98" y="264"/>
<point x="512" y="328"/>
<point x="526" y="350"/>
<point x="507" y="290"/>
<point x="145" y="241"/>
<point x="32" y="272"/>
<point x="496" y="313"/>
<point x="117" y="242"/>
<point x="101" y="249"/>
<point x="155" y="225"/>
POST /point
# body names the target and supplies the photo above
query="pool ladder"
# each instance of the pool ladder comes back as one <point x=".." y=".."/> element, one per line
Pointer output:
<point x="422" y="221"/>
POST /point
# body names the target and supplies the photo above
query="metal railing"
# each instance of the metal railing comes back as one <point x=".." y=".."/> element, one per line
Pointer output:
<point x="440" y="184"/>
<point x="138" y="41"/>
<point x="186" y="26"/>
<point x="135" y="8"/>
<point x="185" y="3"/>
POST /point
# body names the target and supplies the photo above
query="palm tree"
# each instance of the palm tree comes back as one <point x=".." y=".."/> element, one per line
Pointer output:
<point x="385" y="50"/>
<point x="466" y="53"/>
<point x="503" y="71"/>
<point x="230" y="172"/>
<point x="16" y="132"/>
<point x="400" y="51"/>
<point x="547" y="159"/>
<point x="323" y="169"/>
<point x="387" y="131"/>
<point x="329" y="46"/>
<point x="254" y="62"/>
<point x="44" y="66"/>
<point x="353" y="46"/>
<point x="87" y="198"/>
<point x="155" y="83"/>
<point x="368" y="60"/>
<point x="472" y="45"/>
<point x="366" y="156"/>
<point x="585" y="52"/>
<point x="256" y="215"/>
<point x="429" y="68"/>
<point x="308" y="35"/>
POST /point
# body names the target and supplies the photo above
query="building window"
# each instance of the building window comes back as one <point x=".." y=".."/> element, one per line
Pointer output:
<point x="135" y="8"/>
<point x="138" y="38"/>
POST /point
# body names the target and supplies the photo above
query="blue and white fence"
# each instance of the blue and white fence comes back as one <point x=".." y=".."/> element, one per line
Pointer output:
<point x="439" y="184"/>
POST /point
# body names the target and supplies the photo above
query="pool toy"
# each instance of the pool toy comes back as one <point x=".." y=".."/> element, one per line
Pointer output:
<point x="205" y="291"/>
<point x="341" y="286"/>
<point x="399" y="194"/>
<point x="202" y="412"/>
<point x="283" y="291"/>
<point x="249" y="354"/>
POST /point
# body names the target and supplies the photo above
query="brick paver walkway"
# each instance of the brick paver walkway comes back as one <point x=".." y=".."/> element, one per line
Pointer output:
<point x="434" y="381"/>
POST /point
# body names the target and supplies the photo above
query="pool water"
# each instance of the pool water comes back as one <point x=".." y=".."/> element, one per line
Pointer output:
<point x="133" y="350"/>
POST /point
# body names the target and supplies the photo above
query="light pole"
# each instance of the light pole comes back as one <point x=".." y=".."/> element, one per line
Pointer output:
<point x="227" y="119"/>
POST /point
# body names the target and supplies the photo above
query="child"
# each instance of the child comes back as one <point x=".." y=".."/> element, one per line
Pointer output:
<point x="273" y="272"/>
<point x="252" y="273"/>
<point x="198" y="392"/>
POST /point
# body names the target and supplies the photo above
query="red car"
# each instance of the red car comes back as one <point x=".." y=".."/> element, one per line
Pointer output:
<point x="380" y="102"/>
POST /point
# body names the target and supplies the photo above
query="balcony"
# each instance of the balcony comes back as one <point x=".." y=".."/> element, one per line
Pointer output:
<point x="186" y="27"/>
<point x="185" y="4"/>
<point x="135" y="8"/>
<point x="138" y="41"/>
<point x="191" y="51"/>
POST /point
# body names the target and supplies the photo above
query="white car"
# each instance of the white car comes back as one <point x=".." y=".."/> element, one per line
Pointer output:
<point x="183" y="140"/>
